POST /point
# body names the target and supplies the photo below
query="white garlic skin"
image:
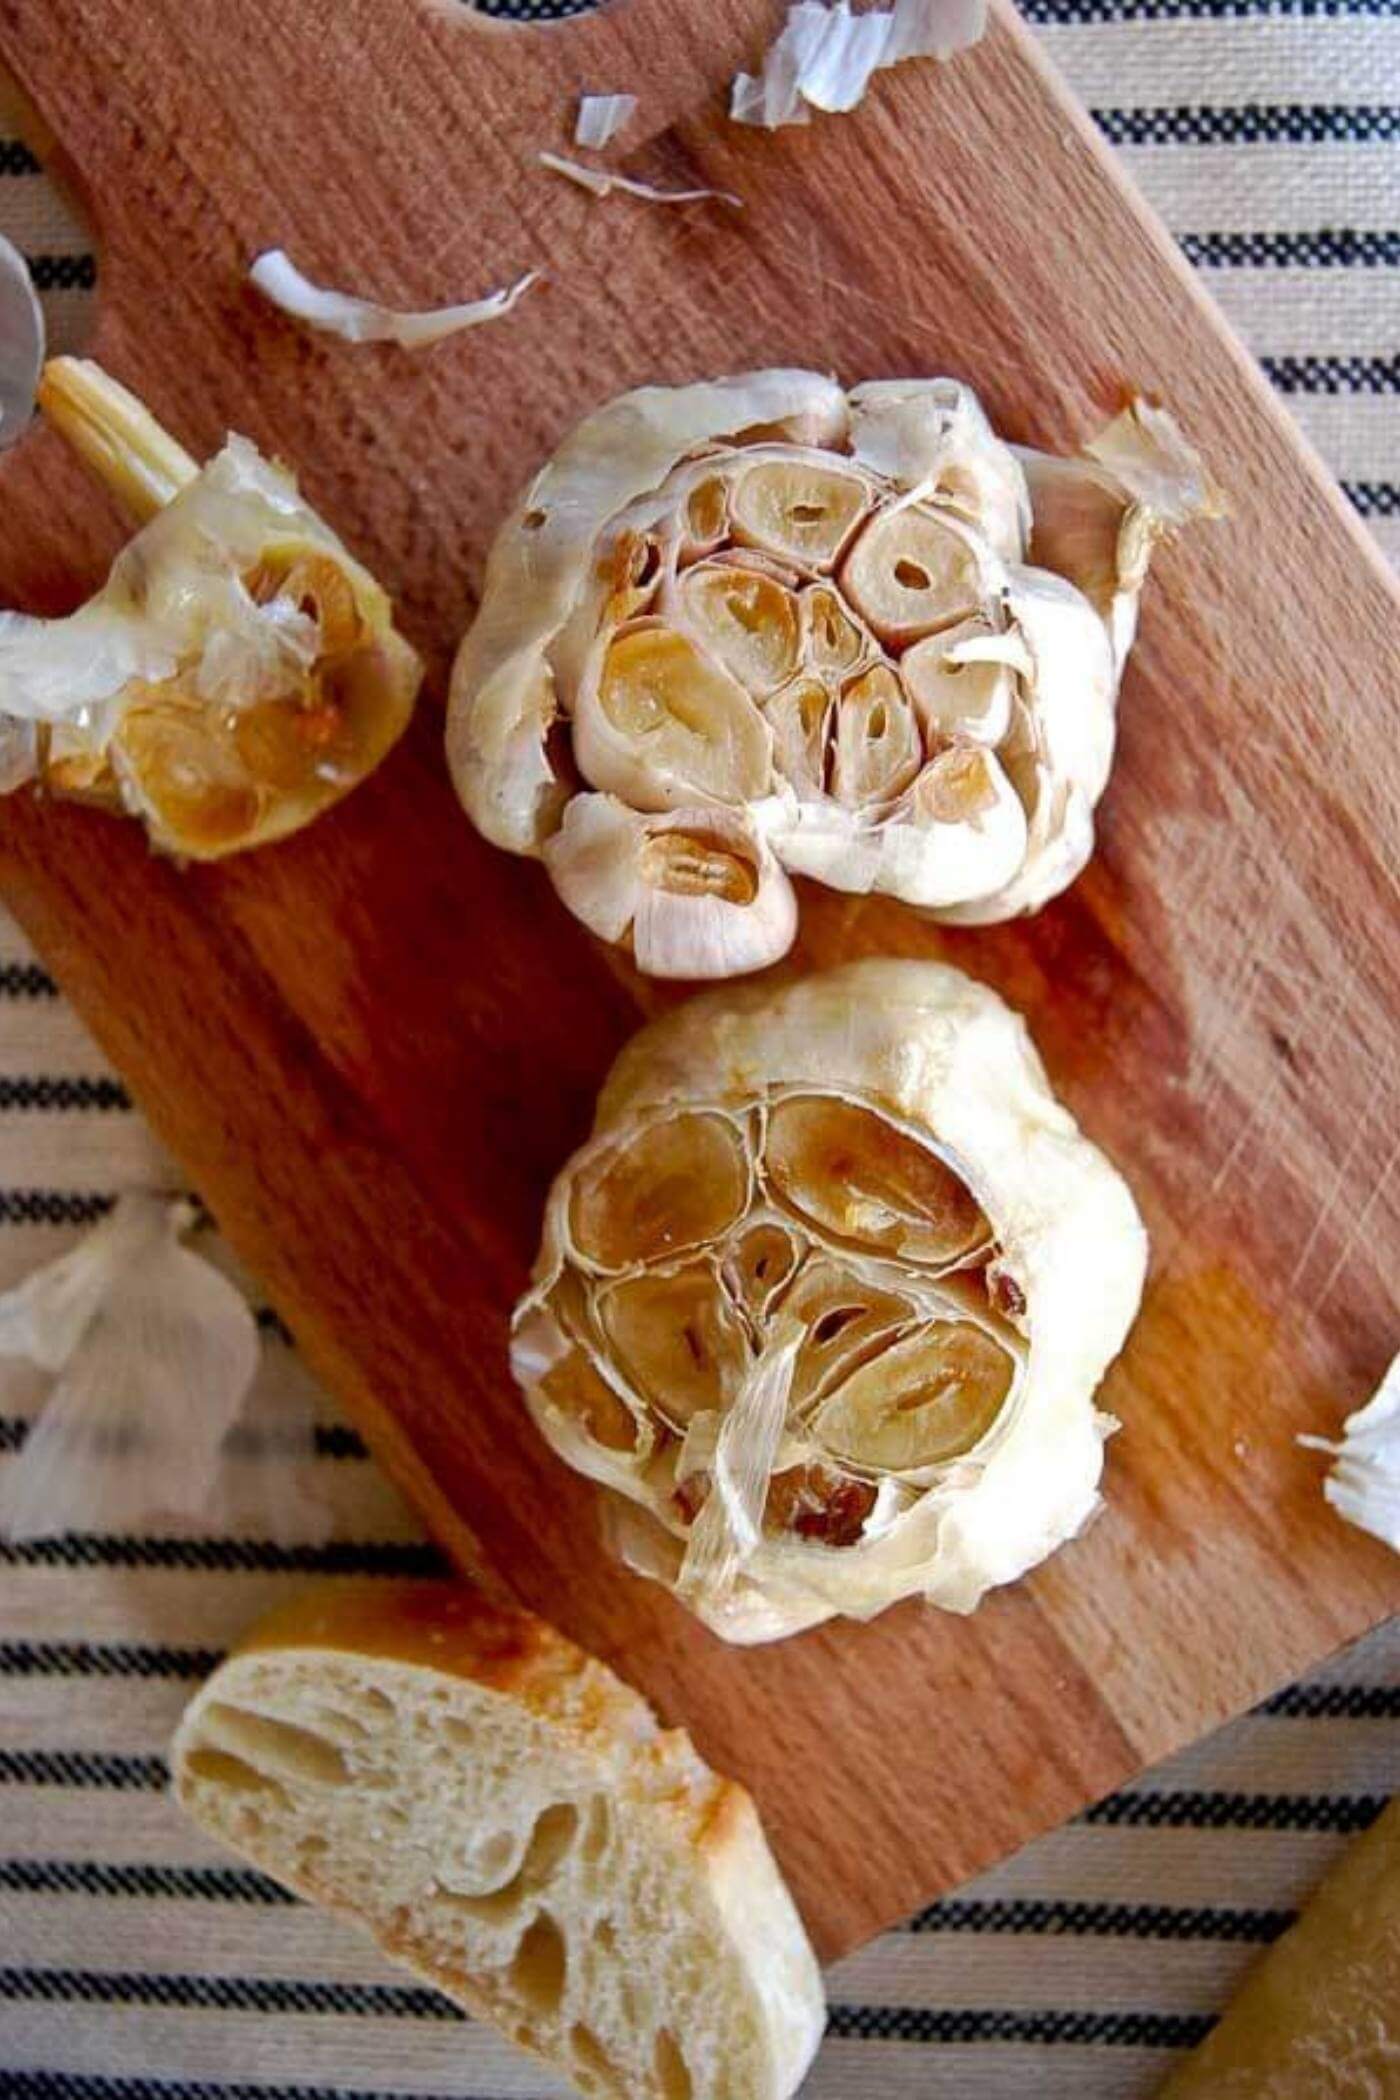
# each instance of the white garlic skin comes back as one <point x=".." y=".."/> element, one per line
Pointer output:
<point x="700" y="526"/>
<point x="944" y="1058"/>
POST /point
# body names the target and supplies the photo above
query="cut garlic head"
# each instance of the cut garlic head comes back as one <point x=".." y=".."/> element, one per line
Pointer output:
<point x="858" y="625"/>
<point x="238" y="672"/>
<point x="824" y="1300"/>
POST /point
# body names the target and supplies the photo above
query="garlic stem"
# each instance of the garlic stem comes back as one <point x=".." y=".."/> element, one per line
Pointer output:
<point x="114" y="434"/>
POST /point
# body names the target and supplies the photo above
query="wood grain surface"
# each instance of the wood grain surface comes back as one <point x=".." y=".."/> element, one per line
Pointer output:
<point x="373" y="1045"/>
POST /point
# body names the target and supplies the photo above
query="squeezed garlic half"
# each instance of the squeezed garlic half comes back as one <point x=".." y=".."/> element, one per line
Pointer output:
<point x="850" y="636"/>
<point x="238" y="672"/>
<point x="824" y="1300"/>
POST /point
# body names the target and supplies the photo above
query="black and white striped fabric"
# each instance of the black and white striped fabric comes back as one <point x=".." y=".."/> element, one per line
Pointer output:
<point x="135" y="1963"/>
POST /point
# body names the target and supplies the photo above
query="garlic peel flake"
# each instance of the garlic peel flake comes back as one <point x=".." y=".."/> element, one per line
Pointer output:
<point x="357" y="320"/>
<point x="603" y="181"/>
<point x="1364" y="1484"/>
<point x="601" y="117"/>
<point x="21" y="343"/>
<point x="826" y="56"/>
<point x="872" y="1275"/>
<point x="153" y="1352"/>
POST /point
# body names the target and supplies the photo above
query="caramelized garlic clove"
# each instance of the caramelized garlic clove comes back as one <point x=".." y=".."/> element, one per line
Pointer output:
<point x="928" y="1399"/>
<point x="745" y="619"/>
<point x="676" y="1340"/>
<point x="670" y="1186"/>
<point x="576" y="1389"/>
<point x="816" y="1503"/>
<point x="877" y="749"/>
<point x="758" y="1268"/>
<point x="911" y="573"/>
<point x="661" y="724"/>
<point x="845" y="1319"/>
<point x="801" y="509"/>
<point x="861" y="1179"/>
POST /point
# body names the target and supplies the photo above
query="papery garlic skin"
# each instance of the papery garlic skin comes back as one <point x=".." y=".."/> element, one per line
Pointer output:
<point x="238" y="672"/>
<point x="871" y="1159"/>
<point x="857" y="622"/>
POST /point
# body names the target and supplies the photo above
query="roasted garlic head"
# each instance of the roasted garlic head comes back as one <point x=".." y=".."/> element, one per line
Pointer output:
<point x="760" y="626"/>
<point x="238" y="672"/>
<point x="825" y="1298"/>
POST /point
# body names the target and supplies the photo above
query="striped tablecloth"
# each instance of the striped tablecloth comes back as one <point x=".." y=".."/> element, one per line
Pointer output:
<point x="134" y="1961"/>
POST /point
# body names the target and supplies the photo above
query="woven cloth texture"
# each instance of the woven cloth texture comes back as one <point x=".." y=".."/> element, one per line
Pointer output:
<point x="135" y="1961"/>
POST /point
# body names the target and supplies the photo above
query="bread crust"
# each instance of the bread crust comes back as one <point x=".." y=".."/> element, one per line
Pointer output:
<point x="416" y="1637"/>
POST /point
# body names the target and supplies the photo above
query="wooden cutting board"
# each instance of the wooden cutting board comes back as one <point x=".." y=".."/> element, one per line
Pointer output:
<point x="373" y="1046"/>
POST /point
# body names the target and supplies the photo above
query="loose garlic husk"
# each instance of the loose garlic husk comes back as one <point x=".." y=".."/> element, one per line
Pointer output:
<point x="824" y="1300"/>
<point x="238" y="672"/>
<point x="859" y="625"/>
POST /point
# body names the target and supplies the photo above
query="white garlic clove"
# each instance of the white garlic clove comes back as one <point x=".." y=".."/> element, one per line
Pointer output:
<point x="800" y="717"/>
<point x="799" y="509"/>
<point x="911" y="573"/>
<point x="746" y="620"/>
<point x="932" y="435"/>
<point x="963" y="680"/>
<point x="862" y="1179"/>
<point x="928" y="1398"/>
<point x="877" y="749"/>
<point x="661" y="724"/>
<point x="831" y="640"/>
<point x="704" y="517"/>
<point x="699" y="892"/>
<point x="962" y="833"/>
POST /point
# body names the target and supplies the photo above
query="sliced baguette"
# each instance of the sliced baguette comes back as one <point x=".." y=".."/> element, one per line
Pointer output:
<point x="506" y="1817"/>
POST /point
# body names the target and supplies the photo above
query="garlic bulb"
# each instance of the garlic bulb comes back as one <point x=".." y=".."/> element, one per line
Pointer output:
<point x="824" y="1299"/>
<point x="238" y="672"/>
<point x="855" y="630"/>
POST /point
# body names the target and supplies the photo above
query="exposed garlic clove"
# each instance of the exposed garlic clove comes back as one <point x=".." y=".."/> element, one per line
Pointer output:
<point x="847" y="1320"/>
<point x="705" y="516"/>
<point x="676" y="1340"/>
<point x="857" y="1175"/>
<point x="800" y="717"/>
<point x="911" y="573"/>
<point x="699" y="892"/>
<point x="831" y="640"/>
<point x="929" y="1398"/>
<point x="932" y="435"/>
<point x="759" y="1267"/>
<point x="799" y="509"/>
<point x="746" y="620"/>
<point x="672" y="1186"/>
<point x="714" y="901"/>
<point x="965" y="836"/>
<point x="661" y="725"/>
<point x="576" y="1388"/>
<point x="876" y="747"/>
<point x="816" y="1502"/>
<point x="962" y="682"/>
